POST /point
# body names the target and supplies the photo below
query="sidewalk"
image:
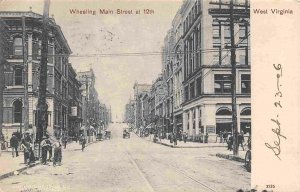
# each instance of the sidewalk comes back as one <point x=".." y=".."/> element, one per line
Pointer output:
<point x="13" y="166"/>
<point x="188" y="144"/>
<point x="226" y="154"/>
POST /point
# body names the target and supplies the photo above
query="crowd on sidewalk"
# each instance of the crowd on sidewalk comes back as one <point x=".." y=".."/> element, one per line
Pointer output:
<point x="48" y="147"/>
<point x="222" y="137"/>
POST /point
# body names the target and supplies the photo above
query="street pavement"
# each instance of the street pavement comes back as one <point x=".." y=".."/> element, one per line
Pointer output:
<point x="133" y="164"/>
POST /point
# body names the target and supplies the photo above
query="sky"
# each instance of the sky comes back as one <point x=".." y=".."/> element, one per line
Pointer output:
<point x="98" y="40"/>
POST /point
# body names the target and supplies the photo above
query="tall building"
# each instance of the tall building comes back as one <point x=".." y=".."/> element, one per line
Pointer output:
<point x="95" y="115"/>
<point x="24" y="39"/>
<point x="139" y="91"/>
<point x="3" y="55"/>
<point x="177" y="51"/>
<point x="129" y="112"/>
<point x="207" y="106"/>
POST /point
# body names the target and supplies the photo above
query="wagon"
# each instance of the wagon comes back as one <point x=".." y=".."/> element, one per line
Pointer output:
<point x="107" y="134"/>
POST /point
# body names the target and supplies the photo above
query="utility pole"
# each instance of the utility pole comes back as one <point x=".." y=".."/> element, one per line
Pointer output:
<point x="42" y="106"/>
<point x="25" y="70"/>
<point x="233" y="81"/>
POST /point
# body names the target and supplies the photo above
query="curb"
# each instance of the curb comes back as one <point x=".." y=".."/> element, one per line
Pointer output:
<point x="12" y="173"/>
<point x="175" y="146"/>
<point x="230" y="157"/>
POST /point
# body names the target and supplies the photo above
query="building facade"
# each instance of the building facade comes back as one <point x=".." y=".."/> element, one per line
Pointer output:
<point x="3" y="55"/>
<point x="95" y="115"/>
<point x="139" y="91"/>
<point x="24" y="54"/>
<point x="207" y="80"/>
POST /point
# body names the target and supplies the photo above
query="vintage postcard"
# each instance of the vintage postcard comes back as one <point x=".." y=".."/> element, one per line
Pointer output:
<point x="140" y="95"/>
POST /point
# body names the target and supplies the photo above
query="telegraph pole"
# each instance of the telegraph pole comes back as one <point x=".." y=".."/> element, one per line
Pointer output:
<point x="42" y="106"/>
<point x="233" y="81"/>
<point x="25" y="70"/>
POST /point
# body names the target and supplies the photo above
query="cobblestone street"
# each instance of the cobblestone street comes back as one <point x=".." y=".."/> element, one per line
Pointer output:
<point x="133" y="165"/>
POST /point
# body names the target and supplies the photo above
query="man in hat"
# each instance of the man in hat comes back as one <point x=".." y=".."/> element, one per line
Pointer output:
<point x="45" y="146"/>
<point x="14" y="143"/>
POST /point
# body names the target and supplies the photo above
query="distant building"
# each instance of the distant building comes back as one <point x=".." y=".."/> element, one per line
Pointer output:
<point x="95" y="115"/>
<point x="129" y="112"/>
<point x="139" y="91"/>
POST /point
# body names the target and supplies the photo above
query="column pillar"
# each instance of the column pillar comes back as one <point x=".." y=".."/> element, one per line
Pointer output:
<point x="184" y="121"/>
<point x="238" y="116"/>
<point x="190" y="122"/>
<point x="197" y="120"/>
<point x="29" y="64"/>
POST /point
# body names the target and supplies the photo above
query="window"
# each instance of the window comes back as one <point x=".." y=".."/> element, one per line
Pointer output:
<point x="18" y="47"/>
<point x="223" y="111"/>
<point x="50" y="56"/>
<point x="246" y="111"/>
<point x="192" y="90"/>
<point x="186" y="93"/>
<point x="222" y="83"/>
<point x="242" y="32"/>
<point x="227" y="32"/>
<point x="217" y="56"/>
<point x="18" y="76"/>
<point x="246" y="83"/>
<point x="17" y="109"/>
<point x="198" y="84"/>
<point x="243" y="57"/>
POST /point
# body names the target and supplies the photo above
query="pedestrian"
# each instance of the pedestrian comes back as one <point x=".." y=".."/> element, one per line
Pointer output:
<point x="45" y="149"/>
<point x="14" y="143"/>
<point x="225" y="135"/>
<point x="185" y="137"/>
<point x="241" y="140"/>
<point x="31" y="153"/>
<point x="49" y="149"/>
<point x="175" y="138"/>
<point x="65" y="141"/>
<point x="26" y="147"/>
<point x="230" y="143"/>
<point x="221" y="136"/>
<point x="27" y="137"/>
<point x="57" y="153"/>
<point x="82" y="142"/>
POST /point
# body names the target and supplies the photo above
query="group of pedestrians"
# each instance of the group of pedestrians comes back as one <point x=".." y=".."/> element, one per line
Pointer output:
<point x="48" y="147"/>
<point x="228" y="138"/>
<point x="26" y="145"/>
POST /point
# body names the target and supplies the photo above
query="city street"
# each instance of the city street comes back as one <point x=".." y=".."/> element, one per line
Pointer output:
<point x="133" y="165"/>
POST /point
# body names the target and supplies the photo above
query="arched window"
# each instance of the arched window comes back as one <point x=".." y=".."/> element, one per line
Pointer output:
<point x="18" y="76"/>
<point x="17" y="110"/>
<point x="223" y="111"/>
<point x="18" y="47"/>
<point x="246" y="111"/>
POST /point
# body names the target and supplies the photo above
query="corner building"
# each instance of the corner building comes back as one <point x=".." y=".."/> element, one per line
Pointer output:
<point x="207" y="69"/>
